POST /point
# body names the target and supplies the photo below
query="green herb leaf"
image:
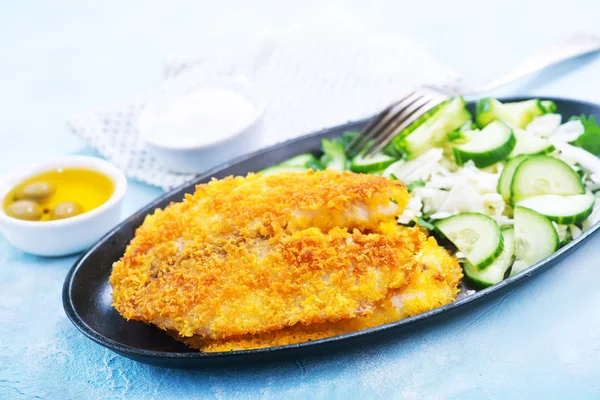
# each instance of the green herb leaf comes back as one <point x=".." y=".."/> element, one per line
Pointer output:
<point x="590" y="140"/>
<point x="414" y="184"/>
<point x="332" y="150"/>
<point x="315" y="165"/>
<point x="548" y="106"/>
<point x="346" y="138"/>
<point x="428" y="214"/>
<point x="392" y="151"/>
<point x="425" y="224"/>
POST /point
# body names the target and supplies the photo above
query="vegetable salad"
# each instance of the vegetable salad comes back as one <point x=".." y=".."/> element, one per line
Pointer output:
<point x="507" y="186"/>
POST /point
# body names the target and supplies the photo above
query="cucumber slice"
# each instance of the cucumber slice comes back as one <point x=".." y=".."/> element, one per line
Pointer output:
<point x="433" y="131"/>
<point x="298" y="163"/>
<point x="539" y="175"/>
<point x="494" y="143"/>
<point x="486" y="111"/>
<point x="275" y="169"/>
<point x="476" y="235"/>
<point x="394" y="148"/>
<point x="495" y="272"/>
<point x="530" y="144"/>
<point x="464" y="133"/>
<point x="524" y="112"/>
<point x="397" y="150"/>
<point x="535" y="238"/>
<point x="564" y="210"/>
<point x="301" y="160"/>
<point x="517" y="114"/>
<point x="518" y="266"/>
<point x="507" y="175"/>
<point x="334" y="155"/>
<point x="374" y="163"/>
<point x="462" y="137"/>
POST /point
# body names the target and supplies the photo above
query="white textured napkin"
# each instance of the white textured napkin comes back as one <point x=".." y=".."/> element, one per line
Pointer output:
<point x="313" y="76"/>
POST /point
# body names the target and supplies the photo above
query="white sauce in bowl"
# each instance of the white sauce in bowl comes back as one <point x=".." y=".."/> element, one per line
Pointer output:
<point x="196" y="118"/>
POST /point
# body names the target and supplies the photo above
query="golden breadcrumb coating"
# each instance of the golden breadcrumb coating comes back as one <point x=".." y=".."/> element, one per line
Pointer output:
<point x="249" y="255"/>
<point x="433" y="283"/>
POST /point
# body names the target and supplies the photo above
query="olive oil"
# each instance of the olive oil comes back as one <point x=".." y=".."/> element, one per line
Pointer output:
<point x="84" y="189"/>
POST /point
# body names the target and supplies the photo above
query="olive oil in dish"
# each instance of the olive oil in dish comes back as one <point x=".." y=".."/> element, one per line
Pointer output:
<point x="58" y="194"/>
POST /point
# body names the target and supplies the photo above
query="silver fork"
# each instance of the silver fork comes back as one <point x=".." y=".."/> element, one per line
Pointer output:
<point x="380" y="131"/>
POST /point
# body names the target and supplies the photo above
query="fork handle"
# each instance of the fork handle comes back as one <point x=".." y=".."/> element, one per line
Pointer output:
<point x="561" y="50"/>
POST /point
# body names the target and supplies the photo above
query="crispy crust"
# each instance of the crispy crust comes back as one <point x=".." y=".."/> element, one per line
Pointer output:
<point x="433" y="283"/>
<point x="258" y="254"/>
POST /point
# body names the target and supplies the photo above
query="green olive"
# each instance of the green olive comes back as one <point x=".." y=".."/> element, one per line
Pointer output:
<point x="34" y="191"/>
<point x="25" y="209"/>
<point x="66" y="209"/>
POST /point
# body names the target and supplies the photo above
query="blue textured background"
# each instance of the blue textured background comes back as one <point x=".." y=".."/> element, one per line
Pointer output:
<point x="540" y="339"/>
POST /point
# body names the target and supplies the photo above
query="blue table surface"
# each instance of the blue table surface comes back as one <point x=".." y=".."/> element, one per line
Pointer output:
<point x="541" y="338"/>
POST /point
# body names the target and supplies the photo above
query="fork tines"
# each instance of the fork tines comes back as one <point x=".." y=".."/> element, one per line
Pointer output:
<point x="392" y="120"/>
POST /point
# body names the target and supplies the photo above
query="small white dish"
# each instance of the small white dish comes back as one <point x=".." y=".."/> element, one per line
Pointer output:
<point x="195" y="124"/>
<point x="70" y="235"/>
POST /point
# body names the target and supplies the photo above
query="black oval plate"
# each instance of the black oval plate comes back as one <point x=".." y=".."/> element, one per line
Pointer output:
<point x="87" y="293"/>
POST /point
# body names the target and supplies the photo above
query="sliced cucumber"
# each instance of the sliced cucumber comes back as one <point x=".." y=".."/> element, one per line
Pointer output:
<point x="518" y="266"/>
<point x="486" y="111"/>
<point x="306" y="160"/>
<point x="433" y="132"/>
<point x="462" y="137"/>
<point x="517" y="114"/>
<point x="530" y="144"/>
<point x="395" y="148"/>
<point x="535" y="238"/>
<point x="334" y="155"/>
<point x="507" y="175"/>
<point x="374" y="163"/>
<point x="275" y="169"/>
<point x="476" y="235"/>
<point x="494" y="143"/>
<point x="539" y="175"/>
<point x="299" y="160"/>
<point x="495" y="272"/>
<point x="464" y="133"/>
<point x="525" y="111"/>
<point x="378" y="173"/>
<point x="564" y="210"/>
<point x="297" y="163"/>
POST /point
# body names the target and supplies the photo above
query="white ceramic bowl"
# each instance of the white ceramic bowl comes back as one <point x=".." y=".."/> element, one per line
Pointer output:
<point x="198" y="157"/>
<point x="70" y="235"/>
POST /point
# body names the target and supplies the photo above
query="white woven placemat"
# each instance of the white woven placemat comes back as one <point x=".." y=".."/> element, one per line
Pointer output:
<point x="315" y="75"/>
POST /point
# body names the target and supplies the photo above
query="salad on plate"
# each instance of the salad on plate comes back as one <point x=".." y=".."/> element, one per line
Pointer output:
<point x="507" y="187"/>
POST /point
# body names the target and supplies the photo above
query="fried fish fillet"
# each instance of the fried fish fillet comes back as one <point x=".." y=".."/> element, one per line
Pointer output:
<point x="311" y="253"/>
<point x="433" y="283"/>
<point x="254" y="254"/>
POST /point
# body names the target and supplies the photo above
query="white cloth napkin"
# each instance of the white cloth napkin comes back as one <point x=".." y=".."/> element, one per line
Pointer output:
<point x="315" y="75"/>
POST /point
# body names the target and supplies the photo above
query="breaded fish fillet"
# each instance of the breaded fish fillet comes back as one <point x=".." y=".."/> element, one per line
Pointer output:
<point x="433" y="283"/>
<point x="258" y="254"/>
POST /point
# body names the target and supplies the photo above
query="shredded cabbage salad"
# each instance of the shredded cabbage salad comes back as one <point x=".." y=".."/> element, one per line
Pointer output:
<point x="440" y="188"/>
<point x="511" y="172"/>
